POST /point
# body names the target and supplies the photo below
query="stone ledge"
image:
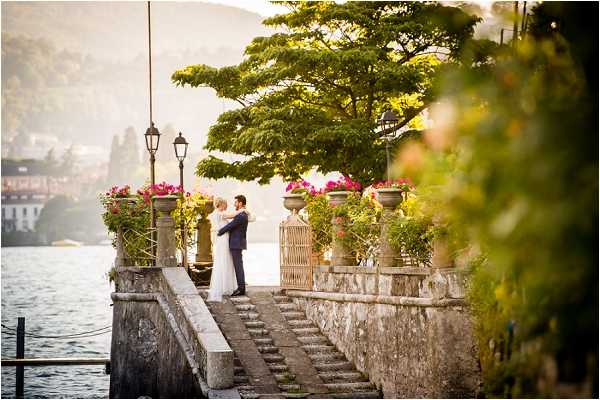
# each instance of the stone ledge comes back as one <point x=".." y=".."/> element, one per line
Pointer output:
<point x="349" y="269"/>
<point x="374" y="299"/>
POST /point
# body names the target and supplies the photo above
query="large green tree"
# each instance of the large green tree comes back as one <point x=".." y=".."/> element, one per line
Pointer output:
<point x="310" y="94"/>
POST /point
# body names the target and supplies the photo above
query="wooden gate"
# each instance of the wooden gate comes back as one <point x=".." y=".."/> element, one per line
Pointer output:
<point x="295" y="248"/>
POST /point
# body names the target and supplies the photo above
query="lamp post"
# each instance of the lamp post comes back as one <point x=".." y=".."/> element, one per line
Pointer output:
<point x="387" y="123"/>
<point x="181" y="145"/>
<point x="152" y="137"/>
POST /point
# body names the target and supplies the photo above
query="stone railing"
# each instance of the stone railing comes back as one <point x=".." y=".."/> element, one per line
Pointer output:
<point x="165" y="342"/>
<point x="408" y="329"/>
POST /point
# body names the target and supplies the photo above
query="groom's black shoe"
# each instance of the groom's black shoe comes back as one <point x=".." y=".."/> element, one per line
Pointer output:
<point x="238" y="292"/>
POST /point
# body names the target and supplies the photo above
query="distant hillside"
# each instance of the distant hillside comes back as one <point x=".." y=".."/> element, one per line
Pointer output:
<point x="97" y="27"/>
<point x="78" y="71"/>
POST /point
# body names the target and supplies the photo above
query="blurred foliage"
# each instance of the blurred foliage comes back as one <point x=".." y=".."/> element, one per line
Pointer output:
<point x="311" y="93"/>
<point x="511" y="169"/>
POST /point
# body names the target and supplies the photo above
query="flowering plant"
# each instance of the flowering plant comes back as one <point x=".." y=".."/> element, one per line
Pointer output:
<point x="159" y="189"/>
<point x="345" y="183"/>
<point x="403" y="184"/>
<point x="131" y="212"/>
<point x="300" y="187"/>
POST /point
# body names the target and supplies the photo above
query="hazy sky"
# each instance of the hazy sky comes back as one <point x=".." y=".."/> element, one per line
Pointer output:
<point x="262" y="7"/>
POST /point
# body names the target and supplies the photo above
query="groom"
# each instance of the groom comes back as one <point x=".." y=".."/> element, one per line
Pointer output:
<point x="237" y="242"/>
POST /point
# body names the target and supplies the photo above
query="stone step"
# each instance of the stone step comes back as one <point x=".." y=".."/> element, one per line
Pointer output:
<point x="248" y="315"/>
<point x="249" y="395"/>
<point x="268" y="349"/>
<point x="318" y="348"/>
<point x="371" y="394"/>
<point x="273" y="357"/>
<point x="342" y="376"/>
<point x="289" y="386"/>
<point x="294" y="315"/>
<point x="271" y="396"/>
<point x="284" y="378"/>
<point x="324" y="357"/>
<point x="313" y="339"/>
<point x="298" y="395"/>
<point x="254" y="324"/>
<point x="245" y="307"/>
<point x="240" y="299"/>
<point x="306" y="331"/>
<point x="258" y="332"/>
<point x="263" y="341"/>
<point x="281" y="299"/>
<point x="245" y="387"/>
<point x="288" y="307"/>
<point x="350" y="387"/>
<point x="334" y="366"/>
<point x="278" y="368"/>
<point x="300" y="323"/>
<point x="240" y="379"/>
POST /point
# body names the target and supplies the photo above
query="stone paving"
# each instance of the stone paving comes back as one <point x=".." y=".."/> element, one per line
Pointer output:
<point x="281" y="354"/>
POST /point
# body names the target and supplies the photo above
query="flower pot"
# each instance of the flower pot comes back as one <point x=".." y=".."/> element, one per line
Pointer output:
<point x="165" y="204"/>
<point x="294" y="202"/>
<point x="126" y="200"/>
<point x="338" y="198"/>
<point x="389" y="198"/>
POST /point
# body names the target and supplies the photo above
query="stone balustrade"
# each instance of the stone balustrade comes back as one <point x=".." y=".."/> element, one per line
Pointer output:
<point x="408" y="329"/>
<point x="165" y="342"/>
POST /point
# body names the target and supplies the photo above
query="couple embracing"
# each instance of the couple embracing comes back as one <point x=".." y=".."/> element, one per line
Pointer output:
<point x="230" y="240"/>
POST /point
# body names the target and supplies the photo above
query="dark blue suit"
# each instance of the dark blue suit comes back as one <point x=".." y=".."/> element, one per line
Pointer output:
<point x="237" y="242"/>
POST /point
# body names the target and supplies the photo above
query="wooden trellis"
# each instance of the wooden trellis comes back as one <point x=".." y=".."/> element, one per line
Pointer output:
<point x="295" y="248"/>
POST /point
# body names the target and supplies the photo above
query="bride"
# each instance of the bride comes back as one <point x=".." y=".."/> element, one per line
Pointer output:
<point x="222" y="279"/>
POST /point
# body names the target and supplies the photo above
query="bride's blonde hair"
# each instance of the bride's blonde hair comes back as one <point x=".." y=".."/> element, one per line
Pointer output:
<point x="219" y="201"/>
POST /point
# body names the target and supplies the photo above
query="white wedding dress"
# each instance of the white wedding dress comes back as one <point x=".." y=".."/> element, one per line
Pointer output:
<point x="222" y="279"/>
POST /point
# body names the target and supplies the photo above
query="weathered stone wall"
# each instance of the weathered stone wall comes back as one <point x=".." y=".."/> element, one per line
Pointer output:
<point x="409" y="330"/>
<point x="165" y="343"/>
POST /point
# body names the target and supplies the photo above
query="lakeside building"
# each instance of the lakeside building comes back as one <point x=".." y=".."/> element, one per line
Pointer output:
<point x="25" y="189"/>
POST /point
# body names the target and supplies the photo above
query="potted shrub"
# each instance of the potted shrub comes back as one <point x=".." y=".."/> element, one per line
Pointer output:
<point x="338" y="191"/>
<point x="294" y="200"/>
<point x="390" y="192"/>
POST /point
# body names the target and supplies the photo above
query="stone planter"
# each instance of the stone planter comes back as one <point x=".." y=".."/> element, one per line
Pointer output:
<point x="294" y="202"/>
<point x="337" y="198"/>
<point x="389" y="198"/>
<point x="165" y="204"/>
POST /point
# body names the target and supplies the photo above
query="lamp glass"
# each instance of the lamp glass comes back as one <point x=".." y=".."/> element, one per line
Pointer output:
<point x="180" y="145"/>
<point x="152" y="136"/>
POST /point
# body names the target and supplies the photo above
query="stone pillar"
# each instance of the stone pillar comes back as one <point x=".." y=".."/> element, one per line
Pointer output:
<point x="389" y="198"/>
<point x="340" y="254"/>
<point x="165" y="226"/>
<point x="204" y="243"/>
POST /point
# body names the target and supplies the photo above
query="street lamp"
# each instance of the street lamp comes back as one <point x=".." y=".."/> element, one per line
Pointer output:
<point x="152" y="137"/>
<point x="181" y="145"/>
<point x="387" y="123"/>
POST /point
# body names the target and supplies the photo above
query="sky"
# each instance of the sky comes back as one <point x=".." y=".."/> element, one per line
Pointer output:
<point x="262" y="7"/>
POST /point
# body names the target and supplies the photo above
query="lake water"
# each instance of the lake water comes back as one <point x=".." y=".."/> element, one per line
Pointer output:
<point x="64" y="290"/>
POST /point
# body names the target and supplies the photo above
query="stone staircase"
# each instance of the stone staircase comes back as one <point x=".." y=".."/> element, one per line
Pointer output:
<point x="279" y="353"/>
